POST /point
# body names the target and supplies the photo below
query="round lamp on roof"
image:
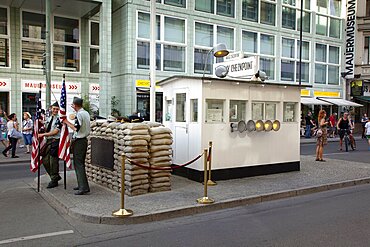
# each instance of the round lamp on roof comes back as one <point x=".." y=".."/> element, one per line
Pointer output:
<point x="220" y="50"/>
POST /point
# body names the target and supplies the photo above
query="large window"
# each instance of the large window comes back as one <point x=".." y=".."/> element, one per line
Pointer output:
<point x="170" y="49"/>
<point x="94" y="47"/>
<point x="268" y="13"/>
<point x="262" y="46"/>
<point x="33" y="40"/>
<point x="66" y="55"/>
<point x="219" y="7"/>
<point x="328" y="18"/>
<point x="214" y="110"/>
<point x="206" y="36"/>
<point x="291" y="15"/>
<point x="177" y="3"/>
<point x="250" y="10"/>
<point x="327" y="64"/>
<point x="290" y="60"/>
<point x="4" y="38"/>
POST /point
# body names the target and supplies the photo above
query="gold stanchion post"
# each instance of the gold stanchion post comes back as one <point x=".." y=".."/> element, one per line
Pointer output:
<point x="205" y="199"/>
<point x="210" y="182"/>
<point x="122" y="212"/>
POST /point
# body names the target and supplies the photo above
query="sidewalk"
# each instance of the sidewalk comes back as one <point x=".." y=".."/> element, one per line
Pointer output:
<point x="181" y="201"/>
<point x="313" y="139"/>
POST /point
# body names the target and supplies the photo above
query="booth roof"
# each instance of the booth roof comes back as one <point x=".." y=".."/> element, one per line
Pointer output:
<point x="177" y="77"/>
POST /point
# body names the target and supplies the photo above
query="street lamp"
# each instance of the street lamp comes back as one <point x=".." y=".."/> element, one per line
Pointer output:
<point x="218" y="50"/>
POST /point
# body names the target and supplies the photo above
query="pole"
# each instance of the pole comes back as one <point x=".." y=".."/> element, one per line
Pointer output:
<point x="48" y="52"/>
<point x="38" y="146"/>
<point x="122" y="212"/>
<point x="205" y="199"/>
<point x="300" y="44"/>
<point x="65" y="175"/>
<point x="210" y="182"/>
<point x="153" y="36"/>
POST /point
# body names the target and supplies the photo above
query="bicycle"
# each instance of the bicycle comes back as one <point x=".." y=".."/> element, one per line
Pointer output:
<point x="348" y="141"/>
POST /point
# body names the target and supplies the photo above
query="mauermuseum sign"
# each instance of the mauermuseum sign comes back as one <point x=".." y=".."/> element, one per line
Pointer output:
<point x="350" y="39"/>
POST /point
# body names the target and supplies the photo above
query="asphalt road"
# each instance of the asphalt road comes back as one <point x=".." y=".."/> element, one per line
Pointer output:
<point x="332" y="218"/>
<point x="331" y="150"/>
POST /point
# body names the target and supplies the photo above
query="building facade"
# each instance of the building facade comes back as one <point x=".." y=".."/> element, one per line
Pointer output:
<point x="362" y="62"/>
<point x="105" y="45"/>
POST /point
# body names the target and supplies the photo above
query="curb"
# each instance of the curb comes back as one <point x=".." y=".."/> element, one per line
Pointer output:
<point x="195" y="209"/>
<point x="12" y="161"/>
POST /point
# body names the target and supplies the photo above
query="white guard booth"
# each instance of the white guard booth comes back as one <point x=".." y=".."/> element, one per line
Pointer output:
<point x="202" y="110"/>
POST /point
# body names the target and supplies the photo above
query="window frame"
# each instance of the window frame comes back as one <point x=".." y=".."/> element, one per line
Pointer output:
<point x="96" y="47"/>
<point x="215" y="12"/>
<point x="162" y="42"/>
<point x="327" y="64"/>
<point x="7" y="37"/>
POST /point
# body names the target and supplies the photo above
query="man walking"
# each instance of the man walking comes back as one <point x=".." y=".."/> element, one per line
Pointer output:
<point x="309" y="124"/>
<point x="81" y="129"/>
<point x="50" y="159"/>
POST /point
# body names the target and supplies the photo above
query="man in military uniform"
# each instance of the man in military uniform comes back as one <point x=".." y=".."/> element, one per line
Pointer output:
<point x="50" y="159"/>
<point x="81" y="129"/>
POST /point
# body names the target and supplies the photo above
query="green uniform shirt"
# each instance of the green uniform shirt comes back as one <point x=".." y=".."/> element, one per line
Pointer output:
<point x="56" y="124"/>
<point x="82" y="124"/>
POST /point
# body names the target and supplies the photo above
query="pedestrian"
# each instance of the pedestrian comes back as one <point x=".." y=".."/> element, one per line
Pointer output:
<point x="309" y="124"/>
<point x="50" y="158"/>
<point x="333" y="124"/>
<point x="81" y="128"/>
<point x="27" y="127"/>
<point x="321" y="138"/>
<point x="364" y="120"/>
<point x="12" y="124"/>
<point x="367" y="132"/>
<point x="3" y="129"/>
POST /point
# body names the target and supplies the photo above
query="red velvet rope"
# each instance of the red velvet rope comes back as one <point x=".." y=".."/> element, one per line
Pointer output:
<point x="165" y="168"/>
<point x="209" y="153"/>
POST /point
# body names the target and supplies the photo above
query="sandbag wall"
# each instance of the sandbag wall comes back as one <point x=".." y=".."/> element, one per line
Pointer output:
<point x="148" y="144"/>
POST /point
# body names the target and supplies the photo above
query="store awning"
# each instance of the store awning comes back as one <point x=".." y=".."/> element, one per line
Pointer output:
<point x="363" y="98"/>
<point x="313" y="101"/>
<point x="340" y="102"/>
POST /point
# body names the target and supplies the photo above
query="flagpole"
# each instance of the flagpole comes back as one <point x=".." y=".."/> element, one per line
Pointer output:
<point x="65" y="164"/>
<point x="65" y="175"/>
<point x="38" y="150"/>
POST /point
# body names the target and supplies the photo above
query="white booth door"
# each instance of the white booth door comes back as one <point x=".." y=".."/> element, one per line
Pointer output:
<point x="181" y="149"/>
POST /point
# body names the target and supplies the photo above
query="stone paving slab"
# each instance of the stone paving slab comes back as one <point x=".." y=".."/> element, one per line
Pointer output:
<point x="181" y="200"/>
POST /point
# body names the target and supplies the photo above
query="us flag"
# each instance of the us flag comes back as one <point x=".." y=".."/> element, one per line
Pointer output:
<point x="65" y="142"/>
<point x="36" y="141"/>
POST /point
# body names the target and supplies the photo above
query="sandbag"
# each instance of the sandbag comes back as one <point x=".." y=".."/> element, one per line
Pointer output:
<point x="135" y="149"/>
<point x="135" y="142"/>
<point x="159" y="180"/>
<point x="137" y="126"/>
<point x="159" y="159"/>
<point x="155" y="148"/>
<point x="160" y="153"/>
<point x="137" y="137"/>
<point x="161" y="142"/>
<point x="137" y="155"/>
<point x="162" y="136"/>
<point x="159" y="130"/>
<point x="136" y="132"/>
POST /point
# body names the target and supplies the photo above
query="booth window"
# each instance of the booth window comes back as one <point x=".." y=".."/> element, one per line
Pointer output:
<point x="264" y="111"/>
<point x="194" y="110"/>
<point x="214" y="110"/>
<point x="270" y="109"/>
<point x="289" y="112"/>
<point x="258" y="110"/>
<point x="180" y="107"/>
<point x="237" y="110"/>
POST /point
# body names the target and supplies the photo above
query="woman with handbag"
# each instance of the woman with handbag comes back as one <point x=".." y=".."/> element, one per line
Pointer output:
<point x="322" y="135"/>
<point x="12" y="126"/>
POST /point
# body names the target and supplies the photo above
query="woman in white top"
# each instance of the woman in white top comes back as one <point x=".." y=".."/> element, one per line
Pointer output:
<point x="367" y="131"/>
<point x="12" y="141"/>
<point x="27" y="130"/>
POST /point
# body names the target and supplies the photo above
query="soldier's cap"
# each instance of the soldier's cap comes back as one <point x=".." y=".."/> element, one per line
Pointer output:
<point x="77" y="101"/>
<point x="55" y="104"/>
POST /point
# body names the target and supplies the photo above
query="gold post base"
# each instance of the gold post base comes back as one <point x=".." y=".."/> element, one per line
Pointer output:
<point x="205" y="200"/>
<point x="122" y="212"/>
<point x="211" y="183"/>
